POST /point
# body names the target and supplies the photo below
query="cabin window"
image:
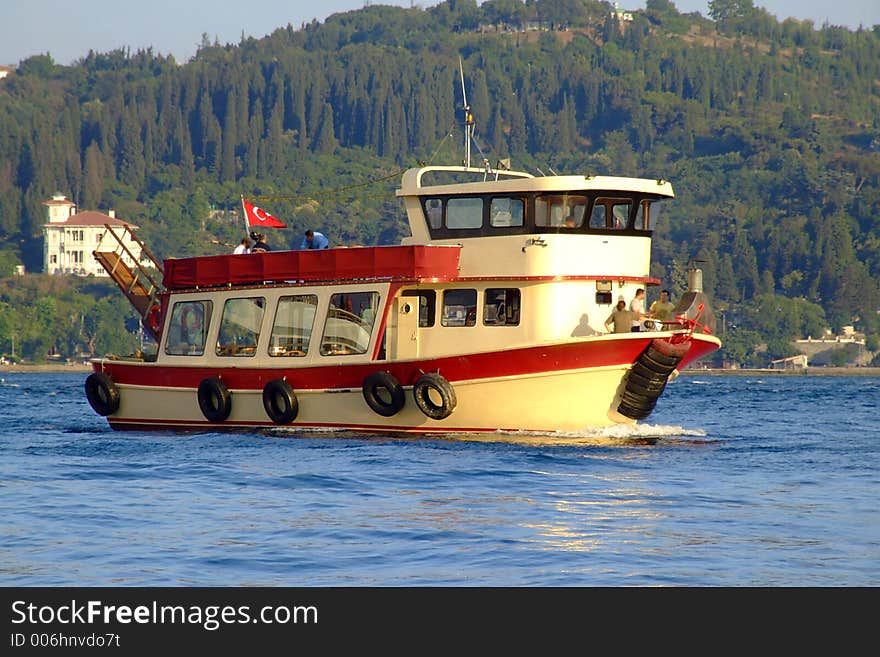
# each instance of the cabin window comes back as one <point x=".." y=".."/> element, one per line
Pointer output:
<point x="240" y="326"/>
<point x="427" y="305"/>
<point x="292" y="329"/>
<point x="459" y="308"/>
<point x="187" y="328"/>
<point x="648" y="215"/>
<point x="603" y="293"/>
<point x="501" y="306"/>
<point x="504" y="212"/>
<point x="610" y="213"/>
<point x="434" y="212"/>
<point x="464" y="213"/>
<point x="560" y="210"/>
<point x="349" y="324"/>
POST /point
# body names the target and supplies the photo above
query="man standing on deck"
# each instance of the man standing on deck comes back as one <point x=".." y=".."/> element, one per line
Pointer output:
<point x="662" y="308"/>
<point x="637" y="308"/>
<point x="314" y="240"/>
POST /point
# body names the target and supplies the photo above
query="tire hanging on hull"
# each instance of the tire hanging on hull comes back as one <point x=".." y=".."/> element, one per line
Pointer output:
<point x="280" y="402"/>
<point x="383" y="393"/>
<point x="648" y="377"/>
<point x="428" y="389"/>
<point x="215" y="400"/>
<point x="102" y="393"/>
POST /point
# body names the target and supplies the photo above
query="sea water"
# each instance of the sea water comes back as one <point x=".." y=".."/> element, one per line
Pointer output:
<point x="732" y="481"/>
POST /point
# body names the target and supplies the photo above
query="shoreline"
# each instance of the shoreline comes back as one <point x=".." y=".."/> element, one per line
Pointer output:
<point x="47" y="368"/>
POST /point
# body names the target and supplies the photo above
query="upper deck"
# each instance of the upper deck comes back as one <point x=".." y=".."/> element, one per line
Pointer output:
<point x="414" y="262"/>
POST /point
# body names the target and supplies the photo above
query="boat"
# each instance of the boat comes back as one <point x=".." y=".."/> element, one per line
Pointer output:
<point x="489" y="316"/>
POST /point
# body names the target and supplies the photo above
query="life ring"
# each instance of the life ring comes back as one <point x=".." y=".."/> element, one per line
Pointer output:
<point x="102" y="393"/>
<point x="280" y="401"/>
<point x="153" y="322"/>
<point x="215" y="400"/>
<point x="383" y="393"/>
<point x="429" y="385"/>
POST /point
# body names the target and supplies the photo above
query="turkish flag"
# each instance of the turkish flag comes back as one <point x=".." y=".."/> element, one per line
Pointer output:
<point x="259" y="217"/>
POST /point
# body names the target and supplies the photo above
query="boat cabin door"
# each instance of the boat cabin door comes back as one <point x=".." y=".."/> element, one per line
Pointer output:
<point x="403" y="329"/>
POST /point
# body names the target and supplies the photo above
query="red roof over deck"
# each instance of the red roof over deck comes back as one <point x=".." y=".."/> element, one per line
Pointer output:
<point x="360" y="262"/>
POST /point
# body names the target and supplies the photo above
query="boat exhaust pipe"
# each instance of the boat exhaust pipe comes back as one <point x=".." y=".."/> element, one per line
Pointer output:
<point x="694" y="304"/>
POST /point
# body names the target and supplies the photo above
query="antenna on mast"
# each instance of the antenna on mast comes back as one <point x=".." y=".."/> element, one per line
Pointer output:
<point x="468" y="117"/>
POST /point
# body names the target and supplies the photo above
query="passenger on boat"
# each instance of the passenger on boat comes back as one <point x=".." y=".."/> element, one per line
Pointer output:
<point x="260" y="245"/>
<point x="637" y="309"/>
<point x="243" y="247"/>
<point x="662" y="308"/>
<point x="314" y="240"/>
<point x="620" y="318"/>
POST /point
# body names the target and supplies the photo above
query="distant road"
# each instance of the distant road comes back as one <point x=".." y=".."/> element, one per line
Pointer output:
<point x="810" y="371"/>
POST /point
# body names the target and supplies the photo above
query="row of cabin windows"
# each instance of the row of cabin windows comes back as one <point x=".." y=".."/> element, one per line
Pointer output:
<point x="347" y="327"/>
<point x="563" y="211"/>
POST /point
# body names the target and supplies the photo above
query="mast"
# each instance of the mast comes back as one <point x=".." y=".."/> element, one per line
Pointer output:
<point x="468" y="117"/>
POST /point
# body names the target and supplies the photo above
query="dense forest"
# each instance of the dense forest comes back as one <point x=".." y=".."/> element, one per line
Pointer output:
<point x="768" y="130"/>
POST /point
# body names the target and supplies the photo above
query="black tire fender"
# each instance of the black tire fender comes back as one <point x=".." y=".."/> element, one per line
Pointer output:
<point x="426" y="387"/>
<point x="383" y="393"/>
<point x="215" y="400"/>
<point x="280" y="402"/>
<point x="102" y="393"/>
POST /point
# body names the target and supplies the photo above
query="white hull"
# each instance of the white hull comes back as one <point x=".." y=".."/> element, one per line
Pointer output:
<point x="547" y="402"/>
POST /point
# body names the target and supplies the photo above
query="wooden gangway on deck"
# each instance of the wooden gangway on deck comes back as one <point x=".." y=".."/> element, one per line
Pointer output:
<point x="135" y="280"/>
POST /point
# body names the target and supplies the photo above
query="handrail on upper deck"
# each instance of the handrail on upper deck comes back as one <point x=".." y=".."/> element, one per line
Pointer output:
<point x="412" y="178"/>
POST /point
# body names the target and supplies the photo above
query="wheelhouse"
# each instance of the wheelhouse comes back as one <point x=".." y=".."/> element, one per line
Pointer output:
<point x="452" y="216"/>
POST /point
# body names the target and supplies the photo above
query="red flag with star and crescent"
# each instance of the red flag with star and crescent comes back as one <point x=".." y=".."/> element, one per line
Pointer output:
<point x="258" y="217"/>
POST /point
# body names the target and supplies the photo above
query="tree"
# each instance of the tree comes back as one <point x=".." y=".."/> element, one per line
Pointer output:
<point x="505" y="12"/>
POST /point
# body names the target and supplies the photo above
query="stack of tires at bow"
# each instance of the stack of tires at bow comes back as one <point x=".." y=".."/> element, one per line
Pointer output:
<point x="648" y="377"/>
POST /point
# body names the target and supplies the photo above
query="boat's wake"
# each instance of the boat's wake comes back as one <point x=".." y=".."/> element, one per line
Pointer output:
<point x="622" y="435"/>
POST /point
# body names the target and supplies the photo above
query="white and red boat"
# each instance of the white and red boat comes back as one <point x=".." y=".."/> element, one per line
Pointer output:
<point x="489" y="317"/>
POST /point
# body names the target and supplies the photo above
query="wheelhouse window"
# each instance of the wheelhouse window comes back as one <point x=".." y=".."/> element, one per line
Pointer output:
<point x="434" y="212"/>
<point x="459" y="308"/>
<point x="610" y="213"/>
<point x="649" y="212"/>
<point x="240" y="326"/>
<point x="464" y="213"/>
<point x="560" y="210"/>
<point x="292" y="329"/>
<point x="505" y="212"/>
<point x="427" y="305"/>
<point x="501" y="306"/>
<point x="188" y="328"/>
<point x="350" y="320"/>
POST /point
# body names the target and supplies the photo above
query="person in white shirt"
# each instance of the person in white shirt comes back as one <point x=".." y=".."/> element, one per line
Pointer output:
<point x="637" y="309"/>
<point x="243" y="247"/>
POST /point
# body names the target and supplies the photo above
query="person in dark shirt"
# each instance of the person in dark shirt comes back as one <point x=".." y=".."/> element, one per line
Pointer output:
<point x="260" y="245"/>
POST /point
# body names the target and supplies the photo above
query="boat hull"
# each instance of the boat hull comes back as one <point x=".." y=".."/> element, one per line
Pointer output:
<point x="565" y="387"/>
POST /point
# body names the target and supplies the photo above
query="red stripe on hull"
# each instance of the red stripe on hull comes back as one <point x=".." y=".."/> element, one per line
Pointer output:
<point x="176" y="426"/>
<point x="515" y="362"/>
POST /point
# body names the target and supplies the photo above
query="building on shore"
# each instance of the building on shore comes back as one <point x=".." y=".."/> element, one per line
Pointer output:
<point x="70" y="237"/>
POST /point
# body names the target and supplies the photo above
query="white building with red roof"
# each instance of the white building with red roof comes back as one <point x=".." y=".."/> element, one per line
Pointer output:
<point x="70" y="237"/>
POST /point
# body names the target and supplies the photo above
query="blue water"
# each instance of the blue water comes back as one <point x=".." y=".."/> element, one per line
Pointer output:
<point x="733" y="481"/>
